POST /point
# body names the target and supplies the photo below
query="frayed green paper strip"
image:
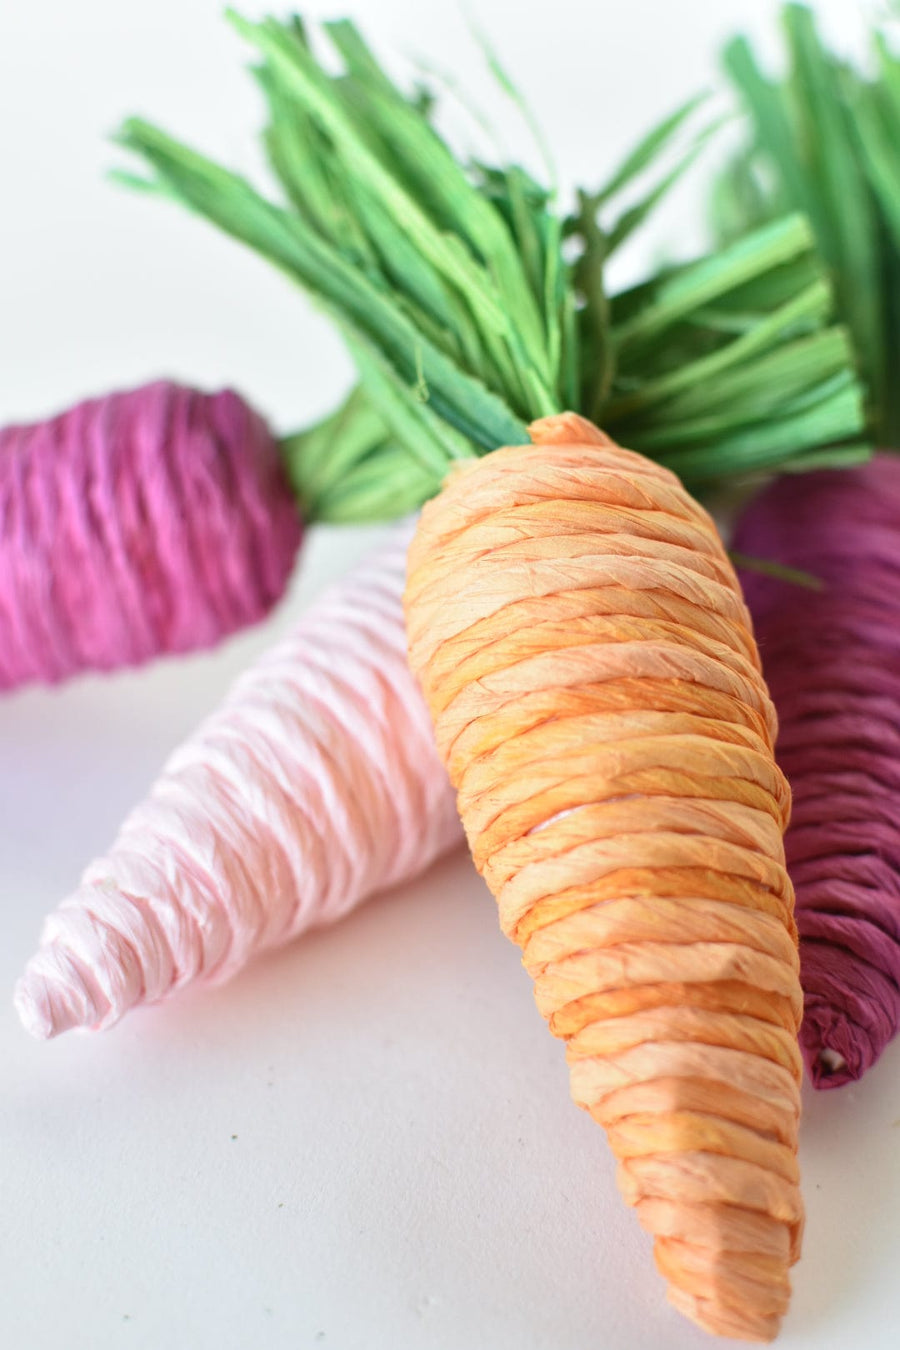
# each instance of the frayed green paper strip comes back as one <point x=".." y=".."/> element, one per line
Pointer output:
<point x="825" y="139"/>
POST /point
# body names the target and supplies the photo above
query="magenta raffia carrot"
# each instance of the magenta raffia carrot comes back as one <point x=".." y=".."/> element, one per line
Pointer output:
<point x="147" y="522"/>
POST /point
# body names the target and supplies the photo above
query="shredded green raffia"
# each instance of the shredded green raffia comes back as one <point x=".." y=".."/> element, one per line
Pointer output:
<point x="825" y="139"/>
<point x="793" y="575"/>
<point x="472" y="306"/>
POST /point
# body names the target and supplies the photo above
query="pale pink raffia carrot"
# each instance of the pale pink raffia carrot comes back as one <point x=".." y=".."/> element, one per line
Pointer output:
<point x="313" y="786"/>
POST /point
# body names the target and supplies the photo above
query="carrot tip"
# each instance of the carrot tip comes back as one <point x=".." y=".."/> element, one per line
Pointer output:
<point x="48" y="1003"/>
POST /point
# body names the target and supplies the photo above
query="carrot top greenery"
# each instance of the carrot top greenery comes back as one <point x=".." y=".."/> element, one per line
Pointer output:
<point x="472" y="304"/>
<point x="823" y="140"/>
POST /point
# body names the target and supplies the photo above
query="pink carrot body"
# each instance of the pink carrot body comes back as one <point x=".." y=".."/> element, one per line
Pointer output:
<point x="148" y="522"/>
<point x="314" y="785"/>
<point x="832" y="662"/>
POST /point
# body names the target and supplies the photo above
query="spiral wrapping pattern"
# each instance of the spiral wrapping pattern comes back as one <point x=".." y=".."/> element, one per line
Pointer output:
<point x="148" y="522"/>
<point x="832" y="661"/>
<point x="314" y="785"/>
<point x="596" y="695"/>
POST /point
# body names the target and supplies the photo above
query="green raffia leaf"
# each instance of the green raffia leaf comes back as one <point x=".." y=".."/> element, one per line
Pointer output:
<point x="465" y="320"/>
<point x="322" y="454"/>
<point x="468" y="261"/>
<point x="834" y="457"/>
<point x="794" y="575"/>
<point x="600" y="239"/>
<point x="690" y="288"/>
<point x="351" y="466"/>
<point x="364" y="308"/>
<point x="647" y="152"/>
<point x="634" y="216"/>
<point x="514" y="94"/>
<point x="735" y="368"/>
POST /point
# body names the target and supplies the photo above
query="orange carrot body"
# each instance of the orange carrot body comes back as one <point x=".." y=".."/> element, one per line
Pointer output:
<point x="584" y="649"/>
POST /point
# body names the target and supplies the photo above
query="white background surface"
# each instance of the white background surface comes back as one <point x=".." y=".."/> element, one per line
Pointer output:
<point x="366" y="1141"/>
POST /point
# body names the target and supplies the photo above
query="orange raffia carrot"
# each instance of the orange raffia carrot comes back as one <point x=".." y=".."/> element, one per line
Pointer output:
<point x="596" y="693"/>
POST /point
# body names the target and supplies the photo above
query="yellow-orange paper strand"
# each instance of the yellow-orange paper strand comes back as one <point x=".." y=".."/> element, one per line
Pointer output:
<point x="596" y="693"/>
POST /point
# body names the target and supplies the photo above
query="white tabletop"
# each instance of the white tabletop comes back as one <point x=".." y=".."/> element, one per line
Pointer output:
<point x="365" y="1142"/>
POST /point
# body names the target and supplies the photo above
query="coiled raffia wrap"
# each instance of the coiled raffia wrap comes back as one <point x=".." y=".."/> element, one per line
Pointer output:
<point x="313" y="786"/>
<point x="832" y="661"/>
<point x="144" y="523"/>
<point x="596" y="695"/>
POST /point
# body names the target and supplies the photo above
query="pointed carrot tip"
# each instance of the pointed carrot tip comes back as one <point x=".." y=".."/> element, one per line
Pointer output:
<point x="51" y="998"/>
<point x="829" y="1068"/>
<point x="718" y="1319"/>
<point x="35" y="1008"/>
<point x="837" y="1046"/>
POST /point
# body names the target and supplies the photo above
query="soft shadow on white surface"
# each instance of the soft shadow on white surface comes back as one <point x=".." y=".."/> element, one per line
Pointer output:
<point x="368" y="1135"/>
<point x="850" y="1160"/>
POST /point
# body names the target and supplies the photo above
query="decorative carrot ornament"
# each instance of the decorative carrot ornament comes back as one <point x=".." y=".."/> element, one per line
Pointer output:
<point x="159" y="520"/>
<point x="827" y="139"/>
<point x="578" y="629"/>
<point x="148" y="522"/>
<point x="314" y="785"/>
<point x="596" y="694"/>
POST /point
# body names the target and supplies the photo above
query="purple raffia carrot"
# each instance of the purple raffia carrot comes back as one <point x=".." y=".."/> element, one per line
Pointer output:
<point x="315" y="784"/>
<point x="823" y="137"/>
<point x="153" y="521"/>
<point x="832" y="662"/>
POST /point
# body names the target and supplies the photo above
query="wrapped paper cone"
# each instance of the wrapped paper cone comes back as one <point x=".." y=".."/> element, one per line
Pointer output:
<point x="585" y="652"/>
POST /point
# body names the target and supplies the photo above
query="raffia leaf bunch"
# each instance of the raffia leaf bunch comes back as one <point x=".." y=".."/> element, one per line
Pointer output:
<point x="472" y="305"/>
